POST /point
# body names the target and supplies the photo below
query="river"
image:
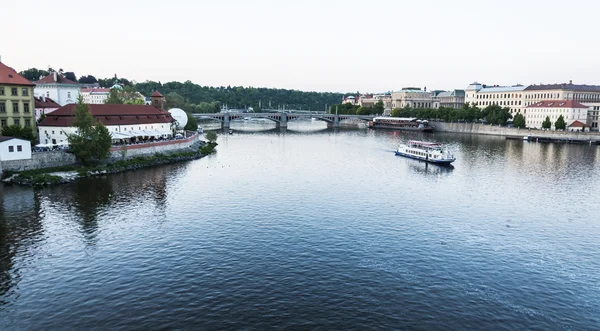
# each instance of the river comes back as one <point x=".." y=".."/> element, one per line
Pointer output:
<point x="312" y="228"/>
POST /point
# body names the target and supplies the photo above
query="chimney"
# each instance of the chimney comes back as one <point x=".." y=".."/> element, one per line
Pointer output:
<point x="55" y="77"/>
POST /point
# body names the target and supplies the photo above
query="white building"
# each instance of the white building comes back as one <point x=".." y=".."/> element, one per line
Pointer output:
<point x="573" y="112"/>
<point x="587" y="95"/>
<point x="57" y="88"/>
<point x="369" y="100"/>
<point x="414" y="98"/>
<point x="14" y="149"/>
<point x="95" y="96"/>
<point x="122" y="121"/>
<point x="451" y="99"/>
<point x="350" y="99"/>
<point x="511" y="97"/>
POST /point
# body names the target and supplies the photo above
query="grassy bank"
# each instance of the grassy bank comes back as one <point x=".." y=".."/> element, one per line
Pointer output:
<point x="47" y="176"/>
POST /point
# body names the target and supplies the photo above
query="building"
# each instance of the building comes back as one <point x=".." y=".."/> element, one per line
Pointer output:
<point x="44" y="105"/>
<point x="351" y="100"/>
<point x="369" y="100"/>
<point x="57" y="88"/>
<point x="122" y="121"/>
<point x="510" y="97"/>
<point x="14" y="149"/>
<point x="574" y="113"/>
<point x="94" y="96"/>
<point x="16" y="99"/>
<point x="587" y="95"/>
<point x="412" y="97"/>
<point x="158" y="100"/>
<point x="451" y="99"/>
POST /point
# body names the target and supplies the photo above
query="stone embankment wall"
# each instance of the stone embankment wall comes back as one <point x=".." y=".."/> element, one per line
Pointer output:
<point x="495" y="130"/>
<point x="57" y="159"/>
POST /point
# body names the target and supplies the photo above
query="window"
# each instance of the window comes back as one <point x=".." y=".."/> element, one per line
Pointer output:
<point x="15" y="107"/>
<point x="68" y="94"/>
<point x="17" y="121"/>
<point x="27" y="123"/>
<point x="14" y="91"/>
<point x="52" y="131"/>
<point x="19" y="148"/>
<point x="25" y="92"/>
<point x="2" y="107"/>
<point x="11" y="149"/>
<point x="3" y="123"/>
<point x="47" y="94"/>
<point x="1" y="90"/>
<point x="25" y="107"/>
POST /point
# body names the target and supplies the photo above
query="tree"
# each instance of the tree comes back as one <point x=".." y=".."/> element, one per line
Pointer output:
<point x="34" y="74"/>
<point x="560" y="123"/>
<point x="18" y="131"/>
<point x="192" y="123"/>
<point x="495" y="114"/>
<point x="211" y="136"/>
<point x="70" y="76"/>
<point x="519" y="121"/>
<point x="174" y="100"/>
<point x="114" y="97"/>
<point x="92" y="141"/>
<point x="547" y="124"/>
<point x="130" y="96"/>
<point x="89" y="79"/>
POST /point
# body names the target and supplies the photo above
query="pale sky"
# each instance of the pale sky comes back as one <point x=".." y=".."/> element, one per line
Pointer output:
<point x="311" y="45"/>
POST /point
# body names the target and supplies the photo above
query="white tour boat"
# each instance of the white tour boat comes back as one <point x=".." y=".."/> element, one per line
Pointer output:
<point x="429" y="152"/>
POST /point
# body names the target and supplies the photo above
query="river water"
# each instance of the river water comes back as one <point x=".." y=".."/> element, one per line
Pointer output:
<point x="305" y="229"/>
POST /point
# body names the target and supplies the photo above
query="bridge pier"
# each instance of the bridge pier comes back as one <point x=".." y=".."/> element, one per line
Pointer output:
<point x="336" y="121"/>
<point x="282" y="124"/>
<point x="225" y="123"/>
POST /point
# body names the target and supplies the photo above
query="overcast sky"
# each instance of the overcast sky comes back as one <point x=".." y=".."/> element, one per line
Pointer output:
<point x="314" y="45"/>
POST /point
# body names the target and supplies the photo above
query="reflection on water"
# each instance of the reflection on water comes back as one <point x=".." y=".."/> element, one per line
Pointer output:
<point x="322" y="229"/>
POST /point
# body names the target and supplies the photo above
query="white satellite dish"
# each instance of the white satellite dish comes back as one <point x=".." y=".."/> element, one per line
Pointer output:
<point x="180" y="117"/>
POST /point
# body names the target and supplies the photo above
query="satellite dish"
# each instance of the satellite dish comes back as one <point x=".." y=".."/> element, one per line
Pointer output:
<point x="180" y="117"/>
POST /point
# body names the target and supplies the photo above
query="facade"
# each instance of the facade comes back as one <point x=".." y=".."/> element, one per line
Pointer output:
<point x="351" y="100"/>
<point x="587" y="95"/>
<point x="16" y="99"/>
<point x="369" y="100"/>
<point x="57" y="88"/>
<point x="94" y="96"/>
<point x="44" y="105"/>
<point x="14" y="149"/>
<point x="414" y="98"/>
<point x="451" y="99"/>
<point x="511" y="97"/>
<point x="122" y="121"/>
<point x="158" y="100"/>
<point x="572" y="111"/>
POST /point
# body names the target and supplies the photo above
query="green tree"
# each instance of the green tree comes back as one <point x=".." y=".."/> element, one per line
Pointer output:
<point x="114" y="97"/>
<point x="70" y="76"/>
<point x="211" y="136"/>
<point x="34" y="74"/>
<point x="192" y="123"/>
<point x="547" y="124"/>
<point x="92" y="141"/>
<point x="41" y="119"/>
<point x="560" y="123"/>
<point x="174" y="100"/>
<point x="519" y="121"/>
<point x="18" y="131"/>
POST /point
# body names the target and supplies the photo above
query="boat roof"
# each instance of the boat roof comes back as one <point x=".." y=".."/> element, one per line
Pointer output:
<point x="394" y="118"/>
<point x="423" y="143"/>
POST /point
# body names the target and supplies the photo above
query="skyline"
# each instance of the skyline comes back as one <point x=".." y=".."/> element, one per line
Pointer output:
<point x="334" y="46"/>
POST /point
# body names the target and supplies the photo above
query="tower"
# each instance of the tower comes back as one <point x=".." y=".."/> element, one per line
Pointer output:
<point x="158" y="100"/>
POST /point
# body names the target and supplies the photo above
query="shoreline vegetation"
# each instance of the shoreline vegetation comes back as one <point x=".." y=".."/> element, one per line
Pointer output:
<point x="68" y="174"/>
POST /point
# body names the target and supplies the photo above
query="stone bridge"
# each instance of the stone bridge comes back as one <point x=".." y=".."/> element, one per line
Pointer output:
<point x="281" y="119"/>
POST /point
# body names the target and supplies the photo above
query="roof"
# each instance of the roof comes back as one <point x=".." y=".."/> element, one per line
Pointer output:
<point x="497" y="89"/>
<point x="43" y="102"/>
<point x="9" y="76"/>
<point x="5" y="138"/>
<point x="569" y="87"/>
<point x="110" y="114"/>
<point x="60" y="79"/>
<point x="557" y="104"/>
<point x="156" y="94"/>
<point x="474" y="86"/>
<point x="95" y="90"/>
<point x="577" y="124"/>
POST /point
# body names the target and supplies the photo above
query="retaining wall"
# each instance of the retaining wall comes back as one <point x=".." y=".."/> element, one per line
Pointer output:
<point x="478" y="128"/>
<point x="39" y="160"/>
<point x="164" y="147"/>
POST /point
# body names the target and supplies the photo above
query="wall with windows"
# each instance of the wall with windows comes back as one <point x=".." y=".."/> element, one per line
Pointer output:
<point x="537" y="115"/>
<point x="15" y="149"/>
<point x="58" y="134"/>
<point x="62" y="94"/>
<point x="17" y="106"/>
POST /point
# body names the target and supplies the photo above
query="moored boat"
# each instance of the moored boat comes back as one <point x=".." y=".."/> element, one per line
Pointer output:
<point x="426" y="151"/>
<point x="400" y="123"/>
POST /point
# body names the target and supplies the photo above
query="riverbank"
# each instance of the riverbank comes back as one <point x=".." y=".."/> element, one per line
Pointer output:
<point x="70" y="173"/>
<point x="478" y="128"/>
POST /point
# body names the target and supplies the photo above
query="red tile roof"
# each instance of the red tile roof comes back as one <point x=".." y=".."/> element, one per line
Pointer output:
<point x="156" y="94"/>
<point x="577" y="124"/>
<point x="110" y="115"/>
<point x="9" y="76"/>
<point x="60" y="79"/>
<point x="557" y="104"/>
<point x="43" y="102"/>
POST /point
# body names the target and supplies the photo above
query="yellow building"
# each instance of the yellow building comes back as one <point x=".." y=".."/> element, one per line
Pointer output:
<point x="17" y="106"/>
